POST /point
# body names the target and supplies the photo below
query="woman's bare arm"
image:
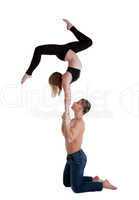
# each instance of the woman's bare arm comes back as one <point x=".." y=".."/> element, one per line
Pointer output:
<point x="67" y="92"/>
<point x="67" y="97"/>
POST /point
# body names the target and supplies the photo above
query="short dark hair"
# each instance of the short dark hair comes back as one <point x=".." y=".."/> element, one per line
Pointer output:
<point x="86" y="105"/>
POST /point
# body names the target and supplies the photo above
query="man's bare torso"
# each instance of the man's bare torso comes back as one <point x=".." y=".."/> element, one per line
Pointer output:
<point x="75" y="145"/>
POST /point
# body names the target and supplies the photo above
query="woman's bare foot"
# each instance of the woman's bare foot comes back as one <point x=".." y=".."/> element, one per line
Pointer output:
<point x="108" y="185"/>
<point x="25" y="77"/>
<point x="69" y="25"/>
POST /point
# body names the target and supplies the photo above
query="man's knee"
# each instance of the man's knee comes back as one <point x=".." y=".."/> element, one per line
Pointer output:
<point x="66" y="184"/>
<point x="75" y="189"/>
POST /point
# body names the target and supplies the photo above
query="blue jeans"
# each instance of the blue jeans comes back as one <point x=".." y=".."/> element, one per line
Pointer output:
<point x="73" y="174"/>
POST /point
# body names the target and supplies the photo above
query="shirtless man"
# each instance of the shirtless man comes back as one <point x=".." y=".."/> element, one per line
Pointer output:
<point x="73" y="130"/>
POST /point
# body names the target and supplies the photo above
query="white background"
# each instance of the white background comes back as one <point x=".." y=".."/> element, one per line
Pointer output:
<point x="32" y="153"/>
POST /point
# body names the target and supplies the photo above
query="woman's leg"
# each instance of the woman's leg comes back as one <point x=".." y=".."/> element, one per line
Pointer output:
<point x="83" y="41"/>
<point x="53" y="49"/>
<point x="50" y="49"/>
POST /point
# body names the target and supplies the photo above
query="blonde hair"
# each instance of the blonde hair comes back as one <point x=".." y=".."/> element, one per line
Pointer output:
<point x="55" y="82"/>
<point x="55" y="90"/>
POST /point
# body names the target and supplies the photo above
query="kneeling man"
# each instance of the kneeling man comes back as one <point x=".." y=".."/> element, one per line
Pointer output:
<point x="73" y="130"/>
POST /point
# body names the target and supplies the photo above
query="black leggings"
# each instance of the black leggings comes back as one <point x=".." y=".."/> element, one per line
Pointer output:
<point x="59" y="50"/>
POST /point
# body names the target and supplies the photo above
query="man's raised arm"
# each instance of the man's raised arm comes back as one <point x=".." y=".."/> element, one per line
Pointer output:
<point x="71" y="132"/>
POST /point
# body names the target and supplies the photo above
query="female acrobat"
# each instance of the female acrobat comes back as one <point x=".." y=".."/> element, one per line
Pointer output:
<point x="65" y="52"/>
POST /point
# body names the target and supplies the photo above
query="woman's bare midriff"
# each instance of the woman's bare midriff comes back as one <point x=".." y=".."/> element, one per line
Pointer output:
<point x="73" y="60"/>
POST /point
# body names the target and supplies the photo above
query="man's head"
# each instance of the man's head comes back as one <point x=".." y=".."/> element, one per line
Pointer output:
<point x="82" y="106"/>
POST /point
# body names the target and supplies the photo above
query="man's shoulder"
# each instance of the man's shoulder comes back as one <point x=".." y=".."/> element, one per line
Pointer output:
<point x="80" y="123"/>
<point x="81" y="120"/>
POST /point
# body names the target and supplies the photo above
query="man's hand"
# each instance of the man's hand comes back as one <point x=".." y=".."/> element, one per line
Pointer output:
<point x="65" y="115"/>
<point x="65" y="123"/>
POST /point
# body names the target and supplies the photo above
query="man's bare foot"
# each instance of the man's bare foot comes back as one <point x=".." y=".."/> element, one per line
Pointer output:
<point x="108" y="185"/>
<point x="25" y="77"/>
<point x="97" y="179"/>
<point x="69" y="25"/>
